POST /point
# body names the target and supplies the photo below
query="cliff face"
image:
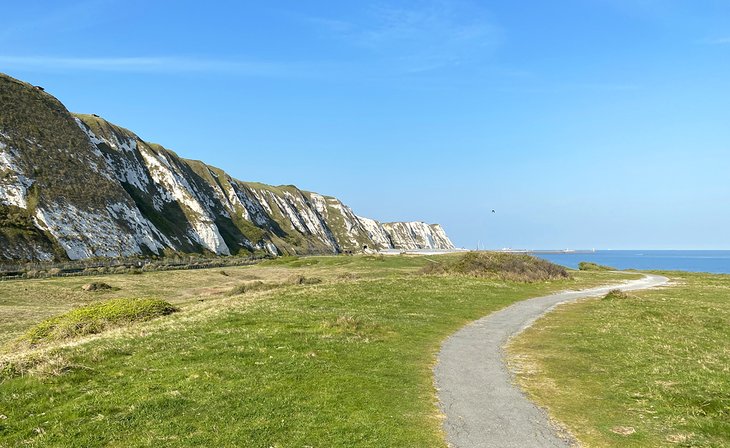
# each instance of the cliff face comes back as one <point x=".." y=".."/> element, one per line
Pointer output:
<point x="77" y="186"/>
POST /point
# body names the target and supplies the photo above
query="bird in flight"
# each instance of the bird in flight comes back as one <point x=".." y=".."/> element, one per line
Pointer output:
<point x="493" y="211"/>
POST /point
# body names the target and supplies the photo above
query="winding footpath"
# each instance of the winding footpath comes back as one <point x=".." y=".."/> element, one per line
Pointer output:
<point x="483" y="408"/>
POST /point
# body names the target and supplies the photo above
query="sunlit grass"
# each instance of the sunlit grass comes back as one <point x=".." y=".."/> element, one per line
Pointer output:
<point x="647" y="369"/>
<point x="346" y="362"/>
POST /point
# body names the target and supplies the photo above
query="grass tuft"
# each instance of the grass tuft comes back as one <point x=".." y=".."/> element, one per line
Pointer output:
<point x="96" y="318"/>
<point x="352" y="328"/>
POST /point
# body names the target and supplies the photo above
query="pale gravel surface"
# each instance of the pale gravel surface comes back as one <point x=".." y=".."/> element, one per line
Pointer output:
<point x="483" y="407"/>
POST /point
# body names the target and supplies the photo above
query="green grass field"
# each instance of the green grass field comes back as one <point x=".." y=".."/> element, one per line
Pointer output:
<point x="345" y="362"/>
<point x="651" y="370"/>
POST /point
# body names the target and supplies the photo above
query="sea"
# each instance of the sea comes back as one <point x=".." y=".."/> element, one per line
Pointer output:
<point x="714" y="261"/>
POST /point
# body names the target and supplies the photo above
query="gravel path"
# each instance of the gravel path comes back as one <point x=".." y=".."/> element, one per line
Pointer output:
<point x="483" y="408"/>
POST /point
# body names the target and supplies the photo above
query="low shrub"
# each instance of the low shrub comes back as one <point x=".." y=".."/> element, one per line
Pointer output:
<point x="506" y="266"/>
<point x="590" y="266"/>
<point x="96" y="318"/>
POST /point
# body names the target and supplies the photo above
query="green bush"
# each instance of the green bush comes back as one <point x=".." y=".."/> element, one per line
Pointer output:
<point x="506" y="266"/>
<point x="95" y="318"/>
<point x="590" y="266"/>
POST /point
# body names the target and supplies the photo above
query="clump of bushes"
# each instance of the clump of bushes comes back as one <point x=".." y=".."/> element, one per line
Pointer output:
<point x="616" y="294"/>
<point x="96" y="318"/>
<point x="590" y="266"/>
<point x="96" y="286"/>
<point x="505" y="266"/>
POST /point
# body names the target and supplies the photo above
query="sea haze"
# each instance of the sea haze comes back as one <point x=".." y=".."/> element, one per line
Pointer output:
<point x="714" y="261"/>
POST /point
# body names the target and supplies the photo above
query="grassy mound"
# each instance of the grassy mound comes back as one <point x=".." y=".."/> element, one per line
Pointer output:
<point x="96" y="286"/>
<point x="590" y="266"/>
<point x="95" y="318"/>
<point x="506" y="266"/>
<point x="616" y="294"/>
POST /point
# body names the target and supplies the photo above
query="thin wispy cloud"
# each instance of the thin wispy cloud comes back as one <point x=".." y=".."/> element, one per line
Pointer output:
<point x="433" y="35"/>
<point x="164" y="65"/>
<point x="58" y="18"/>
<point x="716" y="41"/>
<point x="647" y="9"/>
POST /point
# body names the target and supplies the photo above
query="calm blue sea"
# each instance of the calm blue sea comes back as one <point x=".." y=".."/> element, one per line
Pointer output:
<point x="715" y="261"/>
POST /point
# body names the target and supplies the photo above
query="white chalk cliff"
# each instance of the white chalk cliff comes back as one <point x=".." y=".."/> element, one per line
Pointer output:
<point x="77" y="186"/>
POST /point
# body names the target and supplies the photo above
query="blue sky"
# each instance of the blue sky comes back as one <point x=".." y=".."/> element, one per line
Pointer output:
<point x="583" y="123"/>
